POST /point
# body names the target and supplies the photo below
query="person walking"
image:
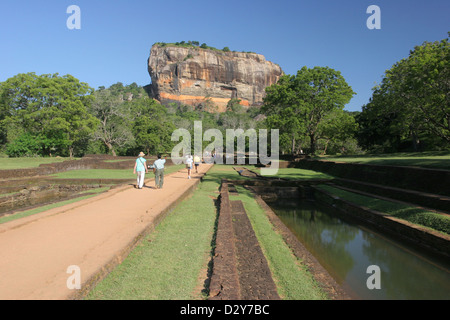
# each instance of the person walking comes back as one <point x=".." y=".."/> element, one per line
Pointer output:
<point x="159" y="171"/>
<point x="189" y="162"/>
<point x="197" y="161"/>
<point x="140" y="168"/>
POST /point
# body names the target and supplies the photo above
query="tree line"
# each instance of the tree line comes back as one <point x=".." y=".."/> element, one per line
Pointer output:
<point x="53" y="115"/>
<point x="408" y="111"/>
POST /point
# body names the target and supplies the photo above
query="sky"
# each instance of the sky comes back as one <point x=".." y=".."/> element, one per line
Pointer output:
<point x="115" y="37"/>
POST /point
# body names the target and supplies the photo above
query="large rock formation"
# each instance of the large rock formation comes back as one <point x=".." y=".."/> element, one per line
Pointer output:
<point x="196" y="76"/>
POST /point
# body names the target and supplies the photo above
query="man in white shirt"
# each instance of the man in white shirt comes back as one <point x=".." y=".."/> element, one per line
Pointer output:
<point x="189" y="162"/>
<point x="159" y="172"/>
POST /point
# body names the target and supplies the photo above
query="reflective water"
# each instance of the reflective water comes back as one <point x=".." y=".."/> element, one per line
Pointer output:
<point x="347" y="249"/>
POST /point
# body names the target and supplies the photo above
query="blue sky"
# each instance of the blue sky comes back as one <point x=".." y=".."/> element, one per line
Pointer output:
<point x="115" y="38"/>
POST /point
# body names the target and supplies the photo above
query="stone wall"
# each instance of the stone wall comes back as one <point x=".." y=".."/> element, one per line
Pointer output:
<point x="89" y="162"/>
<point x="411" y="178"/>
<point x="39" y="195"/>
<point x="426" y="238"/>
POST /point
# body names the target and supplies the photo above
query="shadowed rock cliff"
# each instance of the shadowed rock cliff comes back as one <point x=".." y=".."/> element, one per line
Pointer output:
<point x="196" y="76"/>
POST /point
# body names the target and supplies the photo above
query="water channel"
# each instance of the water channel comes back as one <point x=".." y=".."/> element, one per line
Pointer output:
<point x="346" y="249"/>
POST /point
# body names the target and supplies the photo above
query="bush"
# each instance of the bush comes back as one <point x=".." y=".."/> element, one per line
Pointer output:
<point x="25" y="145"/>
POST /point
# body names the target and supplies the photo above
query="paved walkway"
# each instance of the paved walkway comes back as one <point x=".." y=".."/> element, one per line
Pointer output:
<point x="93" y="234"/>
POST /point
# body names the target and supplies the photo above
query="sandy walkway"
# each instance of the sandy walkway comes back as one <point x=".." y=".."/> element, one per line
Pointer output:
<point x="93" y="234"/>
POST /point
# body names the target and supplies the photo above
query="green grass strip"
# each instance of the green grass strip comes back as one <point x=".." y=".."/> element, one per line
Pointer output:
<point x="167" y="264"/>
<point x="293" y="281"/>
<point x="411" y="214"/>
<point x="433" y="160"/>
<point x="24" y="163"/>
<point x="294" y="173"/>
<point x="109" y="173"/>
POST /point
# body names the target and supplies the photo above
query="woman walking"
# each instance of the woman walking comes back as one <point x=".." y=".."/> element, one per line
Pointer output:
<point x="140" y="168"/>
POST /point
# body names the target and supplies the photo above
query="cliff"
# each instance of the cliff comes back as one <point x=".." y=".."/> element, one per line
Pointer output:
<point x="194" y="76"/>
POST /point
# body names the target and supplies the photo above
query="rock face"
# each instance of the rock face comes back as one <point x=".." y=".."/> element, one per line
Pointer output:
<point x="195" y="76"/>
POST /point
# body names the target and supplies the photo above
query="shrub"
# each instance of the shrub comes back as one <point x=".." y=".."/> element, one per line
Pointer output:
<point x="25" y="145"/>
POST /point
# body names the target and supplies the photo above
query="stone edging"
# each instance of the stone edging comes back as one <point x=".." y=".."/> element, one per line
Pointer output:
<point x="224" y="283"/>
<point x="240" y="268"/>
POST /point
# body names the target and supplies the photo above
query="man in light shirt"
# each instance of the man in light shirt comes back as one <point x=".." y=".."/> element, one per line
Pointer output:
<point x="159" y="171"/>
<point x="197" y="161"/>
<point x="189" y="162"/>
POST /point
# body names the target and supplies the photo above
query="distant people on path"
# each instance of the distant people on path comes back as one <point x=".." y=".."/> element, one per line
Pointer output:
<point x="189" y="162"/>
<point x="159" y="171"/>
<point x="140" y="168"/>
<point x="197" y="161"/>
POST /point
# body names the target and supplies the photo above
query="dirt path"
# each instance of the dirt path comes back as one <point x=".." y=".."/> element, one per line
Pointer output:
<point x="93" y="234"/>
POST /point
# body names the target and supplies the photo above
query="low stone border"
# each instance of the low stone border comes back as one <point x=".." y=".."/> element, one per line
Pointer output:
<point x="255" y="277"/>
<point x="412" y="178"/>
<point x="36" y="196"/>
<point x="436" y="202"/>
<point x="224" y="283"/>
<point x="240" y="269"/>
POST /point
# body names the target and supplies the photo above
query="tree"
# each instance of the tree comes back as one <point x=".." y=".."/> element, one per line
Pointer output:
<point x="234" y="105"/>
<point x="151" y="130"/>
<point x="4" y="113"/>
<point x="383" y="127"/>
<point x="412" y="101"/>
<point x="338" y="127"/>
<point x="113" y="130"/>
<point x="298" y="104"/>
<point x="50" y="106"/>
<point x="421" y="83"/>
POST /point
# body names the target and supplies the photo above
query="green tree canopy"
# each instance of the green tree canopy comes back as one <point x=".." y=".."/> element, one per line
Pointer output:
<point x="50" y="106"/>
<point x="412" y="101"/>
<point x="152" y="129"/>
<point x="298" y="104"/>
<point x="114" y="128"/>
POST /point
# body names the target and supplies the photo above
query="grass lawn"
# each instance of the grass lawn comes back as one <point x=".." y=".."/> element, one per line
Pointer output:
<point x="294" y="173"/>
<point x="96" y="174"/>
<point x="23" y="163"/>
<point x="434" y="160"/>
<point x="114" y="161"/>
<point x="171" y="263"/>
<point x="109" y="173"/>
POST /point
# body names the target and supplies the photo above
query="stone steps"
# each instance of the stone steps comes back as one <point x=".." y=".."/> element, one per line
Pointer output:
<point x="416" y="198"/>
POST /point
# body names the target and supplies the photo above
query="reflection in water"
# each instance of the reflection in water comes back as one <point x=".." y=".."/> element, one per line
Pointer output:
<point x="347" y="249"/>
